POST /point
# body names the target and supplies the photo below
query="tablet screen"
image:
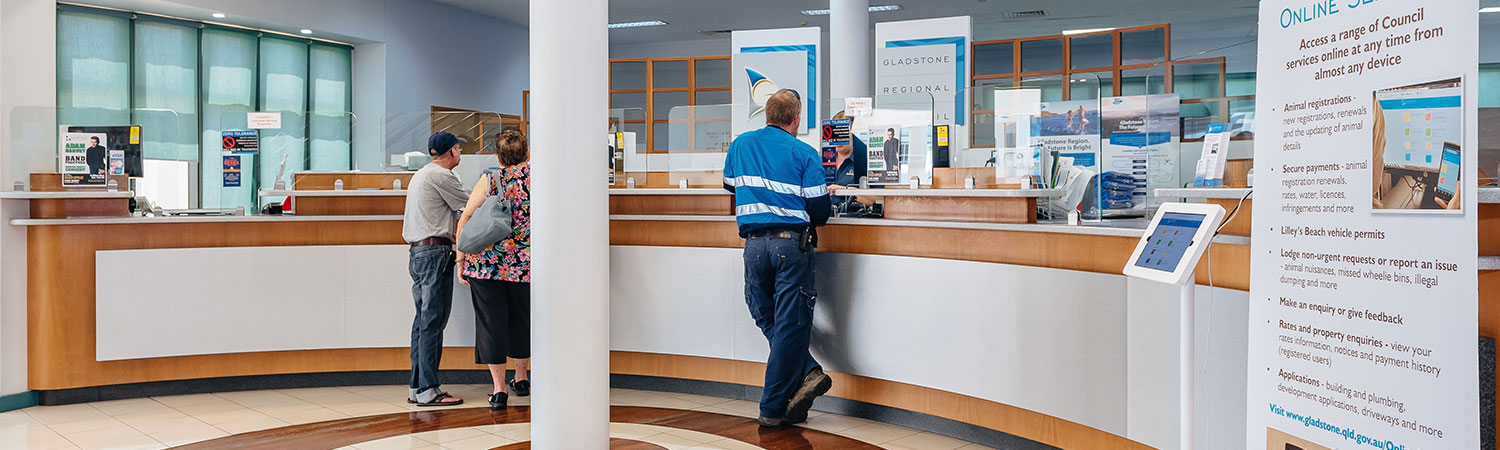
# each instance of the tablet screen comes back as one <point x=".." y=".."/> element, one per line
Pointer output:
<point x="1169" y="241"/>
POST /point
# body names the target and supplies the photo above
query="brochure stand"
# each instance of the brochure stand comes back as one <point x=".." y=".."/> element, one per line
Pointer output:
<point x="1168" y="253"/>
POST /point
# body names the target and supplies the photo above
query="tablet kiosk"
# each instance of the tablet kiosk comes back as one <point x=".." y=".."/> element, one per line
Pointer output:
<point x="1174" y="242"/>
<point x="1167" y="253"/>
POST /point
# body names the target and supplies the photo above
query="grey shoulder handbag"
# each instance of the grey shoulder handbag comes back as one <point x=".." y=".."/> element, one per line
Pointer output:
<point x="490" y="223"/>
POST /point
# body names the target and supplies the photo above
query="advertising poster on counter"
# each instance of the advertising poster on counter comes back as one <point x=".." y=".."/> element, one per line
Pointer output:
<point x="1069" y="128"/>
<point x="1363" y="298"/>
<point x="766" y="61"/>
<point x="1210" y="170"/>
<point x="1140" y="138"/>
<point x="885" y="145"/>
<point x="83" y="158"/>
<point x="896" y="153"/>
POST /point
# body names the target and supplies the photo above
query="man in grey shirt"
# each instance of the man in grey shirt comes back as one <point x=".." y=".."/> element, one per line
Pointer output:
<point x="434" y="200"/>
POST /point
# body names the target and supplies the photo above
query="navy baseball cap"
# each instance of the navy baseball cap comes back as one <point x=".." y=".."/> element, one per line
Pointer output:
<point x="441" y="142"/>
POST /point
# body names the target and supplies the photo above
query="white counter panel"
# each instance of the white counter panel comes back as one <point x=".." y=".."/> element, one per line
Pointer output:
<point x="248" y="299"/>
<point x="1047" y="340"/>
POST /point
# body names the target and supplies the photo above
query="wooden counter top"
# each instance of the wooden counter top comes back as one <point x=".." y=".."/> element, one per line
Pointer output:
<point x="334" y="193"/>
<point x="198" y="219"/>
<point x="668" y="191"/>
<point x="63" y="195"/>
<point x="983" y="193"/>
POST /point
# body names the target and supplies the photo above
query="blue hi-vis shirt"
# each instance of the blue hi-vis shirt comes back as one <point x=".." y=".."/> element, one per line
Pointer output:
<point x="777" y="182"/>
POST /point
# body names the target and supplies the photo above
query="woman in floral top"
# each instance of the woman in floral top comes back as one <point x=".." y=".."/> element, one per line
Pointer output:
<point x="499" y="277"/>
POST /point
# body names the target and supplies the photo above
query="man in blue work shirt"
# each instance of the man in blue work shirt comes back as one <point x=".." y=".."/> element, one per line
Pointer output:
<point x="779" y="195"/>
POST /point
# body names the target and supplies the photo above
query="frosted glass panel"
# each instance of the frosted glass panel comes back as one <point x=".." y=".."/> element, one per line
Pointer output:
<point x="166" y="90"/>
<point x="229" y="68"/>
<point x="93" y="69"/>
<point x="283" y="88"/>
<point x="330" y="124"/>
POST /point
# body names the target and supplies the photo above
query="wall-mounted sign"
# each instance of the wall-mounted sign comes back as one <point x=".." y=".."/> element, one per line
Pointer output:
<point x="241" y="142"/>
<point x="263" y="120"/>
<point x="927" y="56"/>
<point x="765" y="61"/>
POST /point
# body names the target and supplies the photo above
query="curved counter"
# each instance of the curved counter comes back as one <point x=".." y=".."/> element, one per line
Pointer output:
<point x="1026" y="329"/>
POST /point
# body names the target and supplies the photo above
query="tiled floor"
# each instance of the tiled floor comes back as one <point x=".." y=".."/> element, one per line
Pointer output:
<point x="160" y="422"/>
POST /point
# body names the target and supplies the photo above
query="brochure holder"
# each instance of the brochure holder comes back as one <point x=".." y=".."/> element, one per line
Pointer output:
<point x="1168" y="253"/>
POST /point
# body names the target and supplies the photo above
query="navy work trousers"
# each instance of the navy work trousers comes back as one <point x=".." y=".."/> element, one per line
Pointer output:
<point x="779" y="291"/>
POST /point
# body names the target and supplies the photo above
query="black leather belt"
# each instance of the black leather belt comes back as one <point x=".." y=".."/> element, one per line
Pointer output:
<point x="433" y="241"/>
<point x="782" y="234"/>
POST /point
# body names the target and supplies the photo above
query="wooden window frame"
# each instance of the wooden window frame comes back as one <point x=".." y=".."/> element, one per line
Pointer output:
<point x="1116" y="69"/>
<point x="650" y="121"/>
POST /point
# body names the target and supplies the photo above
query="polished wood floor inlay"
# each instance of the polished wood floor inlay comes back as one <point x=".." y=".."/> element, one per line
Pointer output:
<point x="339" y="433"/>
<point x="614" y="444"/>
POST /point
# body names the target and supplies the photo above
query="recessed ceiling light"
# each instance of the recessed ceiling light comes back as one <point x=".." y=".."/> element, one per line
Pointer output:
<point x="876" y="8"/>
<point x="306" y="31"/>
<point x="1490" y="9"/>
<point x="219" y="15"/>
<point x="1086" y="30"/>
<point x="643" y="23"/>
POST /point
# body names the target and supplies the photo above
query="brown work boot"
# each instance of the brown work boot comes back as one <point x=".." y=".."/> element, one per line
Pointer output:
<point x="815" y="384"/>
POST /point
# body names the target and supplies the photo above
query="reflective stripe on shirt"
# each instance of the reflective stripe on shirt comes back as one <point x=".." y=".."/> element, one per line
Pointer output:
<point x="762" y="208"/>
<point x="776" y="186"/>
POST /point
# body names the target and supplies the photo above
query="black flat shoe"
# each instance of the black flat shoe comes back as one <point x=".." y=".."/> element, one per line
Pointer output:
<point x="497" y="400"/>
<point x="522" y="388"/>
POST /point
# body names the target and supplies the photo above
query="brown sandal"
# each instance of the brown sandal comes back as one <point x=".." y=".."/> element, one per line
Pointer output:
<point x="438" y="401"/>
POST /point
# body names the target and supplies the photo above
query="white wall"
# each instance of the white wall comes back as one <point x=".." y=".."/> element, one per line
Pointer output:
<point x="718" y="46"/>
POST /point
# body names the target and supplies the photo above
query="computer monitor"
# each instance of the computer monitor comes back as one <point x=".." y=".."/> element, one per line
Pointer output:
<point x="1171" y="246"/>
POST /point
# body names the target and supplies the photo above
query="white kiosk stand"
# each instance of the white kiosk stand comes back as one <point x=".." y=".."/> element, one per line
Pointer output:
<point x="1168" y="253"/>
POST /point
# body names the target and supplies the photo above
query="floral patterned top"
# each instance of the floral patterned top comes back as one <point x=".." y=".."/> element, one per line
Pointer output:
<point x="509" y="259"/>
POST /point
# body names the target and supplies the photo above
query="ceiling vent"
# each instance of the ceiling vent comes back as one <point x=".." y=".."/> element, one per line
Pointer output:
<point x="1033" y="14"/>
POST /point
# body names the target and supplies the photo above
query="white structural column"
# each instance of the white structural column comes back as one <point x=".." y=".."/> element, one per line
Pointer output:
<point x="570" y="225"/>
<point x="28" y="47"/>
<point x="850" y="50"/>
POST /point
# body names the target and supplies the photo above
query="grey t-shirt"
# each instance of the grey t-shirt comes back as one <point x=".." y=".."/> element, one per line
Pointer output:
<point x="434" y="200"/>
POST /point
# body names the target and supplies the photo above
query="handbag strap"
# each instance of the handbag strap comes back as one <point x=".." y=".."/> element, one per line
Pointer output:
<point x="495" y="182"/>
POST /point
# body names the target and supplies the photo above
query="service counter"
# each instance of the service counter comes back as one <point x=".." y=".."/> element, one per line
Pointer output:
<point x="958" y="205"/>
<point x="356" y="202"/>
<point x="1027" y="329"/>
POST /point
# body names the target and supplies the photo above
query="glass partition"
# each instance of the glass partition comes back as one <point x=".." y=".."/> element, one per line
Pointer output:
<point x="1213" y="87"/>
<point x="1023" y="136"/>
<point x="51" y="140"/>
<point x="632" y="159"/>
<point x="319" y="140"/>
<point x="900" y="137"/>
<point x="698" y="139"/>
<point x="92" y="148"/>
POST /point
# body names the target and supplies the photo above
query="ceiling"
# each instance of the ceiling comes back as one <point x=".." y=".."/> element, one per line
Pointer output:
<point x="688" y="19"/>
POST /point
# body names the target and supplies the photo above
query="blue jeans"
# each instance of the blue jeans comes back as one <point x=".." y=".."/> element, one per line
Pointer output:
<point x="779" y="291"/>
<point x="431" y="270"/>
